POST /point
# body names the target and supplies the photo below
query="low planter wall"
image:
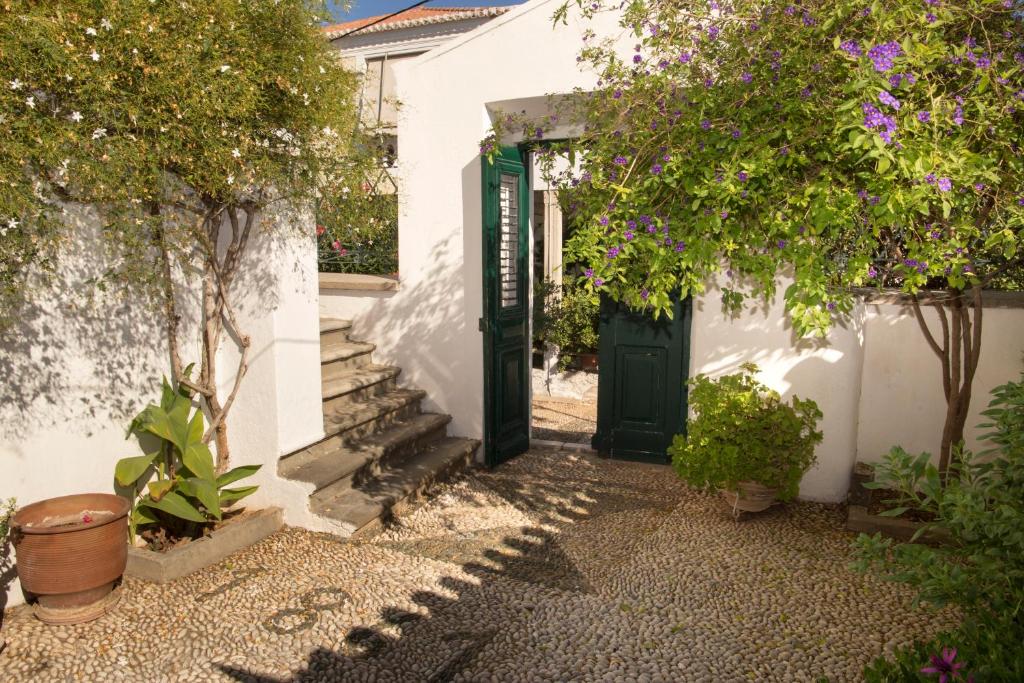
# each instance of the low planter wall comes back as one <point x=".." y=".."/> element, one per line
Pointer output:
<point x="209" y="550"/>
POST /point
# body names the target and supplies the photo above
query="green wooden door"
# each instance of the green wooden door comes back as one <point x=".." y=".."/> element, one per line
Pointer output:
<point x="506" y="333"/>
<point x="641" y="396"/>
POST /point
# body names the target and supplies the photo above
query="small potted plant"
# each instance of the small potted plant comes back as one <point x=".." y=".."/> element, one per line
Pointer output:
<point x="745" y="441"/>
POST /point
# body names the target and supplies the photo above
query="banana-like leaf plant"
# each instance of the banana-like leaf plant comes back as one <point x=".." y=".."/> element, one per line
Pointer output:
<point x="177" y="477"/>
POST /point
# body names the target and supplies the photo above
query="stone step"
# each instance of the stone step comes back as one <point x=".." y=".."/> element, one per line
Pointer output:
<point x="333" y="330"/>
<point x="380" y="498"/>
<point x="341" y="468"/>
<point x="346" y="423"/>
<point x="338" y="358"/>
<point x="358" y="385"/>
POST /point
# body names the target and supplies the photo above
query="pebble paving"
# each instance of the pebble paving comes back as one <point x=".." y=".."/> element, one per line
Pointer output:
<point x="557" y="566"/>
<point x="564" y="420"/>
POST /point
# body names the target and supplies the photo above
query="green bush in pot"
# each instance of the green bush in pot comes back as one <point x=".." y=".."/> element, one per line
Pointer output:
<point x="742" y="431"/>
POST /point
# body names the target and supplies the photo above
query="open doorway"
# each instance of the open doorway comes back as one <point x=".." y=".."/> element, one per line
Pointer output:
<point x="564" y="342"/>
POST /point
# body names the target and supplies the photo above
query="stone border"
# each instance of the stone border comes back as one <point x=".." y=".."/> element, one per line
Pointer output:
<point x="859" y="519"/>
<point x="363" y="283"/>
<point x="174" y="564"/>
<point x="894" y="297"/>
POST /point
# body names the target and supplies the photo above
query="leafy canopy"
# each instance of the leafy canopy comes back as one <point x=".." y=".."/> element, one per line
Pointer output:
<point x="133" y="105"/>
<point x="853" y="142"/>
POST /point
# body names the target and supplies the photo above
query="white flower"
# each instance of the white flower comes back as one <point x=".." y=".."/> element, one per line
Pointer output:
<point x="30" y="102"/>
<point x="235" y="153"/>
<point x="13" y="223"/>
<point x="105" y="23"/>
<point x="345" y="190"/>
<point x="328" y="131"/>
<point x="99" y="133"/>
<point x="76" y="116"/>
<point x="94" y="56"/>
<point x="90" y="31"/>
<point x="231" y="180"/>
<point x="16" y="84"/>
<point x="323" y="70"/>
<point x="224" y="68"/>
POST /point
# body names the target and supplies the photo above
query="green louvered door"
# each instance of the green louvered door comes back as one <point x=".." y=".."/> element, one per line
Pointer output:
<point x="506" y="333"/>
<point x="643" y="365"/>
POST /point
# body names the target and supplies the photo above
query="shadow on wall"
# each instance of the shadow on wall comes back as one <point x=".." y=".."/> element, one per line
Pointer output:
<point x="80" y="358"/>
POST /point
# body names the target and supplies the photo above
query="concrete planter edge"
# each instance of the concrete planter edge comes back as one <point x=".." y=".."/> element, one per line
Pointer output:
<point x="182" y="561"/>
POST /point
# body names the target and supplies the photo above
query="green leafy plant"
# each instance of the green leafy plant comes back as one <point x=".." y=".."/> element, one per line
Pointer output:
<point x="980" y="568"/>
<point x="743" y="431"/>
<point x="176" y="481"/>
<point x="358" y="232"/>
<point x="569" y="319"/>
<point x="7" y="510"/>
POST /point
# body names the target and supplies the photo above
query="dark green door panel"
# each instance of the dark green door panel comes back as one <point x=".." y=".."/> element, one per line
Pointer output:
<point x="504" y="324"/>
<point x="641" y="396"/>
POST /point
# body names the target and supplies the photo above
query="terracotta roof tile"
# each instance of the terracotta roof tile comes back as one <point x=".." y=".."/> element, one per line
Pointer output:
<point x="418" y="16"/>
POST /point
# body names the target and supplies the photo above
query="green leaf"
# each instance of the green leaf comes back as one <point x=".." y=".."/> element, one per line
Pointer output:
<point x="199" y="461"/>
<point x="894" y="512"/>
<point x="206" y="491"/>
<point x="177" y="505"/>
<point x="232" y="495"/>
<point x="237" y="473"/>
<point x="159" y="489"/>
<point x="128" y="470"/>
<point x="142" y="514"/>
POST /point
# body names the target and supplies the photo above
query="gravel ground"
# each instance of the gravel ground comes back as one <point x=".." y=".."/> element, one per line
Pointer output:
<point x="554" y="567"/>
<point x="564" y="420"/>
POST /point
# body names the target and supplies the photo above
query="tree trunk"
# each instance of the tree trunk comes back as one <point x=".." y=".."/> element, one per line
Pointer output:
<point x="958" y="352"/>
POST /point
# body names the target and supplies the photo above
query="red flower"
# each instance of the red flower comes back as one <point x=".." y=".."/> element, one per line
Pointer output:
<point x="320" y="230"/>
<point x="86" y="518"/>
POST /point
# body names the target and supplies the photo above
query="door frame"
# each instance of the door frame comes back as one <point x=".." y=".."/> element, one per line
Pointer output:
<point x="490" y="172"/>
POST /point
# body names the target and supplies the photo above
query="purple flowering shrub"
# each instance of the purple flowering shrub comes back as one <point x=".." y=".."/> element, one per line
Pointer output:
<point x="815" y="128"/>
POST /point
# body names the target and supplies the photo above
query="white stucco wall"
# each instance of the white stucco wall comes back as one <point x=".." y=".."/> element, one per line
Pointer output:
<point x="901" y="397"/>
<point x="74" y="374"/>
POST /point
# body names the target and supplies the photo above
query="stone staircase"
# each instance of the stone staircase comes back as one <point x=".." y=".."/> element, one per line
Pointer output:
<point x="380" y="449"/>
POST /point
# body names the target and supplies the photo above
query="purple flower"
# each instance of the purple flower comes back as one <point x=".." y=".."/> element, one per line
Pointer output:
<point x="930" y="178"/>
<point x="872" y="272"/>
<point x="805" y="93"/>
<point x="831" y="305"/>
<point x="924" y="116"/>
<point x="629" y="235"/>
<point x="781" y="244"/>
<point x="742" y="175"/>
<point x="724" y="215"/>
<point x="736" y="133"/>
<point x="895" y="80"/>
<point x="886" y="98"/>
<point x="713" y="32"/>
<point x="620" y="160"/>
<point x="617" y="94"/>
<point x="685" y="57"/>
<point x="589" y="272"/>
<point x="883" y="55"/>
<point x="705" y="124"/>
<point x="945" y="184"/>
<point x="598" y="282"/>
<point x="603" y="220"/>
<point x="784" y="150"/>
<point x="863" y="194"/>
<point x="958" y="115"/>
<point x="930" y="18"/>
<point x="944" y="666"/>
<point x="680" y="246"/>
<point x="746" y="77"/>
<point x="631" y="225"/>
<point x="644" y="294"/>
<point x="613" y="252"/>
<point x="637" y="59"/>
<point x="978" y="187"/>
<point x="656" y="169"/>
<point x="851" y="47"/>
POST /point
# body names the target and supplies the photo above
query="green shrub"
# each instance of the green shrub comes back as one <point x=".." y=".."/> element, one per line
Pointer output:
<point x="6" y="512"/>
<point x="187" y="494"/>
<point x="568" y="320"/>
<point x="980" y="508"/>
<point x="742" y="431"/>
<point x="358" y="233"/>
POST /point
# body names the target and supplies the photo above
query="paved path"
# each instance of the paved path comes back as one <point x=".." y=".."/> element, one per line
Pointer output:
<point x="554" y="567"/>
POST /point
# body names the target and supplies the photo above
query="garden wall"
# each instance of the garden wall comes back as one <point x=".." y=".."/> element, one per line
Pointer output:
<point x="75" y="372"/>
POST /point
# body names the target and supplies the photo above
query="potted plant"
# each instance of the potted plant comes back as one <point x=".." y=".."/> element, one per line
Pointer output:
<point x="70" y="554"/>
<point x="745" y="441"/>
<point x="569" y="320"/>
<point x="178" y="495"/>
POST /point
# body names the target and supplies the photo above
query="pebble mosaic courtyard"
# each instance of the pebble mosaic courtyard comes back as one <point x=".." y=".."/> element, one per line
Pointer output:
<point x="557" y="566"/>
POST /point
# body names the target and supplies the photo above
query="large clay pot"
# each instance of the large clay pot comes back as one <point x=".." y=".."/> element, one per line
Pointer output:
<point x="750" y="497"/>
<point x="70" y="552"/>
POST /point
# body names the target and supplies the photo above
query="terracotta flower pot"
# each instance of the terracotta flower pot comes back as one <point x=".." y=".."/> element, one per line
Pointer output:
<point x="750" y="497"/>
<point x="70" y="552"/>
